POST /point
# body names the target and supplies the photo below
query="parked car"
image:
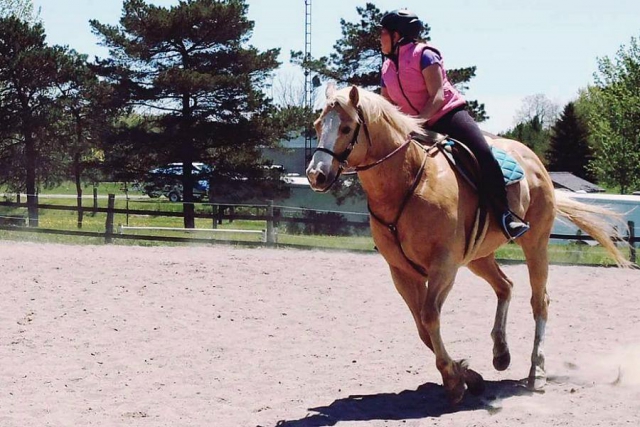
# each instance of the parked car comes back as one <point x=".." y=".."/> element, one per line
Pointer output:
<point x="167" y="181"/>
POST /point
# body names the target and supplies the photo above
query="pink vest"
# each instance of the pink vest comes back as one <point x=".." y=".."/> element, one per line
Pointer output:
<point x="413" y="84"/>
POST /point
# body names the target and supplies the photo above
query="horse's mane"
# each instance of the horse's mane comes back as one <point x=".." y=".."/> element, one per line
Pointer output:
<point x="375" y="108"/>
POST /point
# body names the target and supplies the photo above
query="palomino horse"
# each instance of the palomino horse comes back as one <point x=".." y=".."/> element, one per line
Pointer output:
<point x="424" y="221"/>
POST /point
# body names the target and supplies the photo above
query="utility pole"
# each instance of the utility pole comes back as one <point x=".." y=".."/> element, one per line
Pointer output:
<point x="308" y="85"/>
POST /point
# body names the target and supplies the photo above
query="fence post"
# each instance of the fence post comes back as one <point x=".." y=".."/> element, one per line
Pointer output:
<point x="214" y="214"/>
<point x="220" y="213"/>
<point x="18" y="198"/>
<point x="108" y="234"/>
<point x="271" y="230"/>
<point x="632" y="238"/>
<point x="95" y="201"/>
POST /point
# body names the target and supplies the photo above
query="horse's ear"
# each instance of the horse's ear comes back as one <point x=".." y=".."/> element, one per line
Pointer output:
<point x="330" y="91"/>
<point x="354" y="96"/>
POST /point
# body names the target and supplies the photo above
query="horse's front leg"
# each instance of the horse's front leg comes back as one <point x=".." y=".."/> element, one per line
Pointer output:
<point x="413" y="291"/>
<point x="455" y="374"/>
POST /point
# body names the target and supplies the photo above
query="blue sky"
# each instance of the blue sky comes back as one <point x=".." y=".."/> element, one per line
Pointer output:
<point x="520" y="48"/>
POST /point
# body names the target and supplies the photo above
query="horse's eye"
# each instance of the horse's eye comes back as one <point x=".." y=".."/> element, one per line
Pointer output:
<point x="346" y="130"/>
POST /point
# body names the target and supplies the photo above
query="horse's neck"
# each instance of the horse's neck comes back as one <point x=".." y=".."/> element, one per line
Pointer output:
<point x="387" y="183"/>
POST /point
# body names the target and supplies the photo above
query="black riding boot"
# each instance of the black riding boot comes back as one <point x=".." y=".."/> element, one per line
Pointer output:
<point x="459" y="125"/>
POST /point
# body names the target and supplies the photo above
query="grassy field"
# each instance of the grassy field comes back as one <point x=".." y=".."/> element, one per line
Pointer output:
<point x="133" y="200"/>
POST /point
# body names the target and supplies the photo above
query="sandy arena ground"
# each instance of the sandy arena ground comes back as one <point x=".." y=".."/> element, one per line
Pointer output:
<point x="229" y="337"/>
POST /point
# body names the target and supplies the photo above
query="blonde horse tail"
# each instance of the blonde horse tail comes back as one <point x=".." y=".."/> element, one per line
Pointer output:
<point x="590" y="219"/>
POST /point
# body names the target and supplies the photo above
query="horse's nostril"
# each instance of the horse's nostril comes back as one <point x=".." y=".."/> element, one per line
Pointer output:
<point x="320" y="178"/>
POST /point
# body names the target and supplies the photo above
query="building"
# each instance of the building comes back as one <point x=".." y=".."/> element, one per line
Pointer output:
<point x="570" y="182"/>
<point x="290" y="154"/>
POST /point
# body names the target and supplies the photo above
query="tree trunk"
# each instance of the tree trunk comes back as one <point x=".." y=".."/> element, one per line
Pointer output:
<point x="187" y="166"/>
<point x="32" y="200"/>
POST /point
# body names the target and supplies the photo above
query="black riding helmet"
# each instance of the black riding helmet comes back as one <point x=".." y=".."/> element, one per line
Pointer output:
<point x="404" y="22"/>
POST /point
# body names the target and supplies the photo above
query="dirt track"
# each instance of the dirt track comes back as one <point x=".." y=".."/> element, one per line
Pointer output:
<point x="118" y="336"/>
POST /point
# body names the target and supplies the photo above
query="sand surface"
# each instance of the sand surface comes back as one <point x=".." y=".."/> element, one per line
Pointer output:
<point x="224" y="336"/>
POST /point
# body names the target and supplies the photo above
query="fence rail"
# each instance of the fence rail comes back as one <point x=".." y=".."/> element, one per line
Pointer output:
<point x="271" y="215"/>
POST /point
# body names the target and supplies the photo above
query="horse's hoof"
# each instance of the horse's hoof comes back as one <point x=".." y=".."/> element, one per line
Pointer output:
<point x="474" y="381"/>
<point x="502" y="361"/>
<point x="536" y="383"/>
<point x="456" y="394"/>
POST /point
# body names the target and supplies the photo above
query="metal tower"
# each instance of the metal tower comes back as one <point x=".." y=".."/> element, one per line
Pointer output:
<point x="308" y="85"/>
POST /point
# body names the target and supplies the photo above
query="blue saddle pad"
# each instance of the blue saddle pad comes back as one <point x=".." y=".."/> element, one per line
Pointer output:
<point x="511" y="169"/>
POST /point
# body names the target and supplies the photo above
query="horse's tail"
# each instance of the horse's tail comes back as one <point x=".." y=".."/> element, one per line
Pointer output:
<point x="590" y="219"/>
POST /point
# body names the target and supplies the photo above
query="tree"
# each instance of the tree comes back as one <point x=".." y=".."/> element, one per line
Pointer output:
<point x="569" y="147"/>
<point x="534" y="120"/>
<point x="21" y="9"/>
<point x="540" y="107"/>
<point x="87" y="108"/>
<point x="357" y="59"/>
<point x="613" y="111"/>
<point x="190" y="67"/>
<point x="532" y="134"/>
<point x="30" y="73"/>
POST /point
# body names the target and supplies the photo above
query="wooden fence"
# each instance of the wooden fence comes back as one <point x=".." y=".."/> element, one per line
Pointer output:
<point x="270" y="214"/>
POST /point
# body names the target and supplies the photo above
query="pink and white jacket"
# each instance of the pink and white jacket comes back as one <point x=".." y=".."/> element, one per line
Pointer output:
<point x="416" y="95"/>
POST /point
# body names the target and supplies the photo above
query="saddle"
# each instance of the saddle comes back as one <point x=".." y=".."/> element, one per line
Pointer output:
<point x="464" y="162"/>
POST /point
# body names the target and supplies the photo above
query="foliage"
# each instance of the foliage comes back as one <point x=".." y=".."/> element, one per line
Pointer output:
<point x="357" y="59"/>
<point x="320" y="223"/>
<point x="532" y="134"/>
<point x="21" y="9"/>
<point x="569" y="149"/>
<point x="191" y="69"/>
<point x="534" y="119"/>
<point x="612" y="106"/>
<point x="31" y="75"/>
<point x="538" y="107"/>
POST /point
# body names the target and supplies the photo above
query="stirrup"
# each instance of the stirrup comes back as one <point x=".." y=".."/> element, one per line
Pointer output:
<point x="513" y="227"/>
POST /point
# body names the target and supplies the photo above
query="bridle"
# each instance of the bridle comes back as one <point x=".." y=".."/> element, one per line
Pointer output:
<point x="342" y="157"/>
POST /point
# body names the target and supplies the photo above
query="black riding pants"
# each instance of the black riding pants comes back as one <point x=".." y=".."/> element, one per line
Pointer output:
<point x="459" y="125"/>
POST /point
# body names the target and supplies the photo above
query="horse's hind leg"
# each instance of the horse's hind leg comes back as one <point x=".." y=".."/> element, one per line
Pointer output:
<point x="536" y="254"/>
<point x="488" y="269"/>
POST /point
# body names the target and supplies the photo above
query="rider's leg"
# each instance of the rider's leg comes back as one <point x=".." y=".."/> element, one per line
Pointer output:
<point x="459" y="125"/>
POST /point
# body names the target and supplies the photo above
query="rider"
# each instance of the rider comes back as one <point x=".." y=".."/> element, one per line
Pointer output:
<point x="414" y="79"/>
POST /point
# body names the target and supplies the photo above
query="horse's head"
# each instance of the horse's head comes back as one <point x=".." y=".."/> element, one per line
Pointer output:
<point x="338" y="130"/>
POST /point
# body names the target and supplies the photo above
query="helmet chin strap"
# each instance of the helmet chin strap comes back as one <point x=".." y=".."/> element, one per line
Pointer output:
<point x="395" y="46"/>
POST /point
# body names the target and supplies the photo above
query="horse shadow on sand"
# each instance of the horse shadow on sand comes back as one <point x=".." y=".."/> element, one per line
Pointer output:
<point x="427" y="401"/>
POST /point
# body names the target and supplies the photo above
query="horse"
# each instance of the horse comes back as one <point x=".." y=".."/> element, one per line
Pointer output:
<point x="424" y="220"/>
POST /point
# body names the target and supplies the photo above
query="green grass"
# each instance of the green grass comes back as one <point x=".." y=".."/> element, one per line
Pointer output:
<point x="67" y="220"/>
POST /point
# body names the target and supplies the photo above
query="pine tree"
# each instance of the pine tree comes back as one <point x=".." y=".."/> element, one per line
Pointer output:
<point x="569" y="149"/>
<point x="190" y="67"/>
<point x="31" y="73"/>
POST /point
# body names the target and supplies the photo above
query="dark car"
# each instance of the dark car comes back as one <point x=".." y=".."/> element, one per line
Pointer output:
<point x="167" y="181"/>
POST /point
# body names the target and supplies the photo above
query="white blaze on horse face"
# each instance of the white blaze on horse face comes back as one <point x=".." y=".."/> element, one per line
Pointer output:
<point x="321" y="163"/>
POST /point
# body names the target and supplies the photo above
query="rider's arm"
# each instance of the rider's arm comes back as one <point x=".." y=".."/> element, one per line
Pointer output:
<point x="435" y="86"/>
